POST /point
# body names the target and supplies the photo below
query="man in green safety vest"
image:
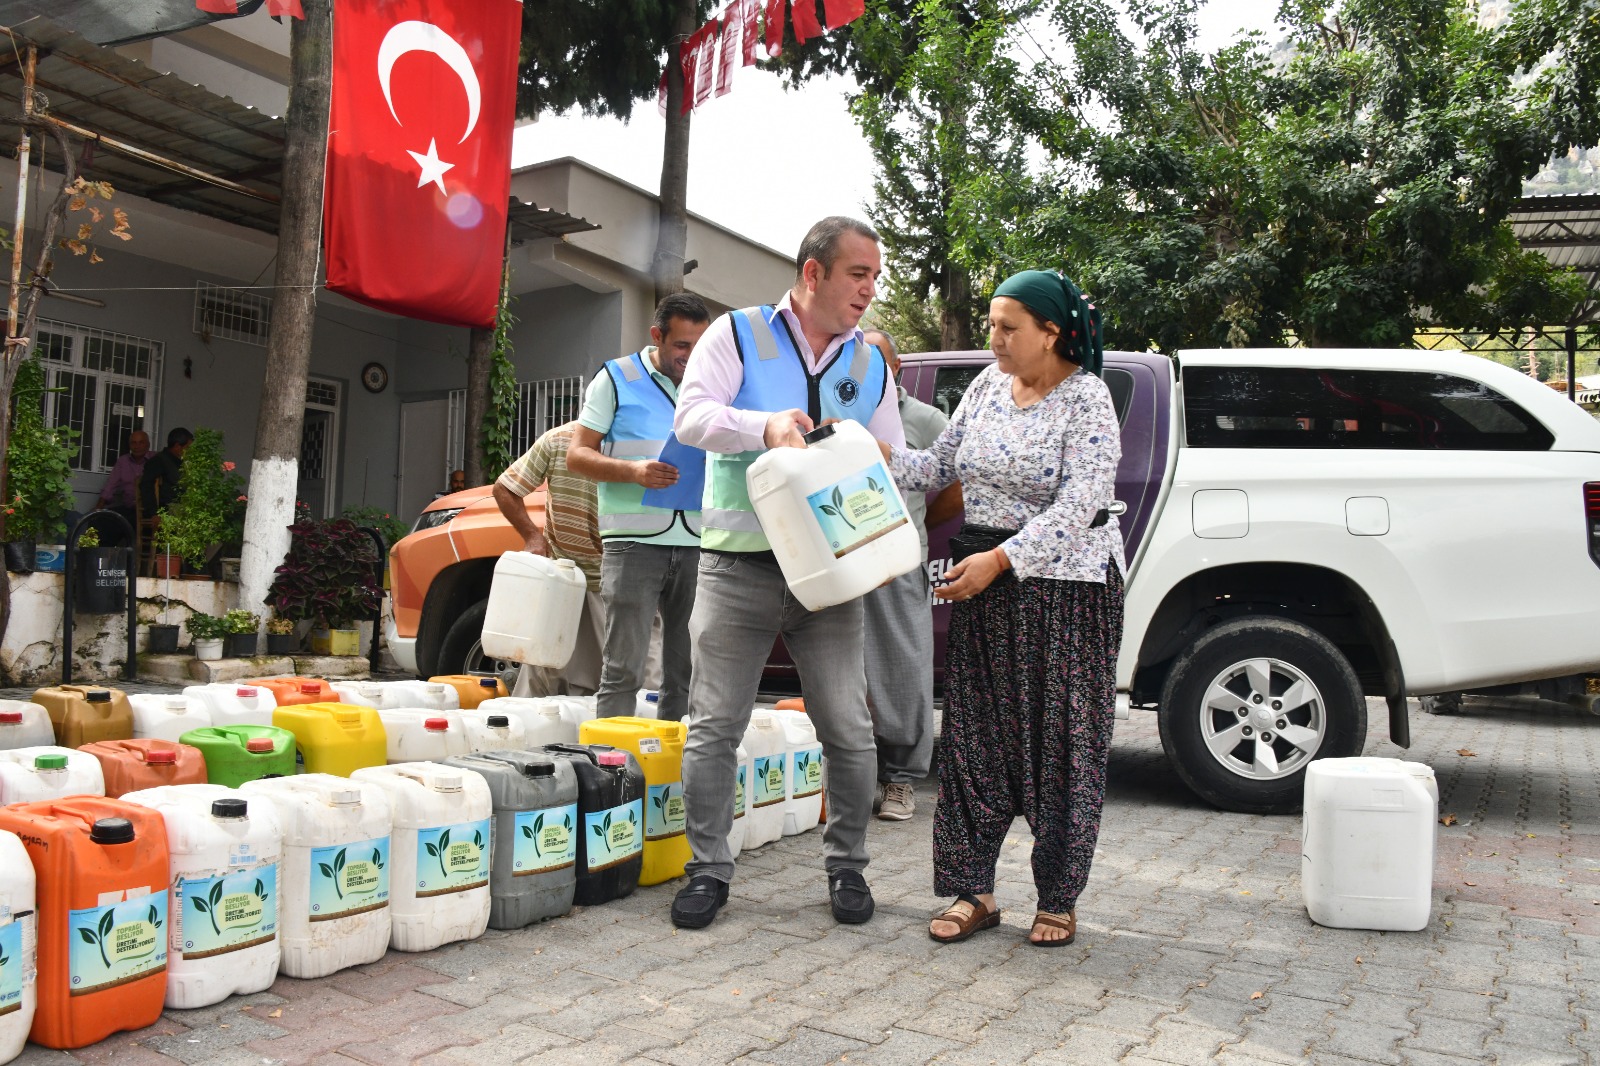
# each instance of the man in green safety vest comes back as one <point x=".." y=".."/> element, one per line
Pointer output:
<point x="761" y="378"/>
<point x="650" y="488"/>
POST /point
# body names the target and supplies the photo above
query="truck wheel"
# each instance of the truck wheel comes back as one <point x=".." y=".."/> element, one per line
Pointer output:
<point x="462" y="649"/>
<point x="1250" y="704"/>
<point x="1444" y="703"/>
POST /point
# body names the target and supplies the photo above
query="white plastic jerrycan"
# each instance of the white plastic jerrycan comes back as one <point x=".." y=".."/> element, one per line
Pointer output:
<point x="492" y="730"/>
<point x="415" y="694"/>
<point x="24" y="725"/>
<point x="542" y="720"/>
<point x="741" y="800"/>
<point x="442" y="834"/>
<point x="359" y="693"/>
<point x="833" y="516"/>
<point x="225" y="852"/>
<point x="19" y="938"/>
<point x="802" y="784"/>
<point x="229" y="703"/>
<point x="647" y="705"/>
<point x="47" y="772"/>
<point x="167" y="717"/>
<point x="335" y="873"/>
<point x="1366" y="850"/>
<point x="535" y="608"/>
<point x="423" y="736"/>
<point x="769" y="759"/>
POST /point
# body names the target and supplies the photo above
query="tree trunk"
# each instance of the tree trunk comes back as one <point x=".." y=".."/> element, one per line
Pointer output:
<point x="274" y="473"/>
<point x="955" y="314"/>
<point x="480" y="350"/>
<point x="672" y="233"/>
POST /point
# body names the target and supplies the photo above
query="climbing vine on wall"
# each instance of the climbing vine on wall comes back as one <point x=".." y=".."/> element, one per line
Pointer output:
<point x="502" y="413"/>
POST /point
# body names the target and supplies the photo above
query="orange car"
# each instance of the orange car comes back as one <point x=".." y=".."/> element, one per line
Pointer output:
<point x="439" y="581"/>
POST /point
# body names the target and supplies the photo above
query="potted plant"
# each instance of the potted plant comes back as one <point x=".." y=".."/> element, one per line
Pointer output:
<point x="242" y="626"/>
<point x="38" y="470"/>
<point x="207" y="631"/>
<point x="329" y="578"/>
<point x="280" y="636"/>
<point x="100" y="575"/>
<point x="199" y="520"/>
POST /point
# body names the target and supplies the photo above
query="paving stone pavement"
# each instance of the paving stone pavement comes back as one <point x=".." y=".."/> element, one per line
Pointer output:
<point x="1193" y="946"/>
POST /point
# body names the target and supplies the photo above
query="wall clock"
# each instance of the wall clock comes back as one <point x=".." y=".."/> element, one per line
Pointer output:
<point x="374" y="377"/>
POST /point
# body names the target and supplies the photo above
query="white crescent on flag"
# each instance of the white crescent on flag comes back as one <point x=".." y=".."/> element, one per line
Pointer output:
<point x="426" y="37"/>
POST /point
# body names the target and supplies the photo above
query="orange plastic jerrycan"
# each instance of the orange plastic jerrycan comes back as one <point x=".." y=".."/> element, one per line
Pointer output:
<point x="473" y="688"/>
<point x="130" y="765"/>
<point x="83" y="714"/>
<point x="334" y="738"/>
<point x="289" y="691"/>
<point x="102" y="928"/>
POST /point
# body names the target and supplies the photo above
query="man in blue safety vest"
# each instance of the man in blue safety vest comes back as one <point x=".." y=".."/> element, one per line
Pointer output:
<point x="761" y="378"/>
<point x="650" y="488"/>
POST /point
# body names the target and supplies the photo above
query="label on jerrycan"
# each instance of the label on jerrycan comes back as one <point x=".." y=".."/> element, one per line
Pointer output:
<point x="769" y="779"/>
<point x="740" y="784"/>
<point x="614" y="836"/>
<point x="217" y="915"/>
<point x="663" y="811"/>
<point x="349" y="878"/>
<point x="544" y="840"/>
<point x="807" y="770"/>
<point x="116" y="944"/>
<point x="452" y="858"/>
<point x="857" y="510"/>
<point x="11" y="967"/>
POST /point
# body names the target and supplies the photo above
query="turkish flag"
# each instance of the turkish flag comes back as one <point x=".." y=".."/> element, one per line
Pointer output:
<point x="774" y="23"/>
<point x="803" y="13"/>
<point x="419" y="154"/>
<point x="729" y="56"/>
<point x="751" y="32"/>
<point x="839" y="12"/>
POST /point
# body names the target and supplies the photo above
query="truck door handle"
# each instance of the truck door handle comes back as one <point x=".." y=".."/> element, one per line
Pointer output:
<point x="1117" y="507"/>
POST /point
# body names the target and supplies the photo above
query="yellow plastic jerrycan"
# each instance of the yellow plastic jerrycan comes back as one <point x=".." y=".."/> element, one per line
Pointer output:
<point x="659" y="748"/>
<point x="334" y="738"/>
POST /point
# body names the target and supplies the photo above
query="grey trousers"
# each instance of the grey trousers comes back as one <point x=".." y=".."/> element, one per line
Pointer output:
<point x="743" y="604"/>
<point x="899" y="660"/>
<point x="637" y="580"/>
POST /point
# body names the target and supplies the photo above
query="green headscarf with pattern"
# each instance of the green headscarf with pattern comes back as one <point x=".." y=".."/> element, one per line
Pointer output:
<point x="1053" y="296"/>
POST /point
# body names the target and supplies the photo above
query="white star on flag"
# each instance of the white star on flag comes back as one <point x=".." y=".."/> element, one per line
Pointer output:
<point x="433" y="168"/>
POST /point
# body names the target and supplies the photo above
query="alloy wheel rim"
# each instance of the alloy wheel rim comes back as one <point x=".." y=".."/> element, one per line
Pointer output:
<point x="1263" y="719"/>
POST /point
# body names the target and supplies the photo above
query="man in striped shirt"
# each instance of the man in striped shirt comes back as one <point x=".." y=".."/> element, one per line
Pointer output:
<point x="571" y="531"/>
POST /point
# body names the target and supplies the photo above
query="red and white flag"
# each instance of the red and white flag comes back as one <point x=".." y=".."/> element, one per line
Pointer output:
<point x="729" y="55"/>
<point x="838" y="12"/>
<point x="804" y="15"/>
<point x="419" y="154"/>
<point x="751" y="16"/>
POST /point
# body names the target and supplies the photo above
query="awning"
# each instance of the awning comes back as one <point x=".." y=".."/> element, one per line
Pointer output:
<point x="1565" y="229"/>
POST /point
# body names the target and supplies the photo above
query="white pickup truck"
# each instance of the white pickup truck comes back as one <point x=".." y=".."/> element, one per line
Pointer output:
<point x="1308" y="527"/>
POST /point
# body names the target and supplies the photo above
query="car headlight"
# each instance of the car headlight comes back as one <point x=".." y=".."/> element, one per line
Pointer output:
<point x="432" y="519"/>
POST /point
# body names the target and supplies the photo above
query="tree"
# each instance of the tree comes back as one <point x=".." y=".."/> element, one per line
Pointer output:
<point x="1348" y="196"/>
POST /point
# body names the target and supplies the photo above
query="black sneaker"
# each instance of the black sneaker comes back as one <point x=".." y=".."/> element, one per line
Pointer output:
<point x="850" y="897"/>
<point x="696" y="904"/>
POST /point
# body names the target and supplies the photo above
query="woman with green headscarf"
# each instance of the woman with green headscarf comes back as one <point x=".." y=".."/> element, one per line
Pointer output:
<point x="1030" y="667"/>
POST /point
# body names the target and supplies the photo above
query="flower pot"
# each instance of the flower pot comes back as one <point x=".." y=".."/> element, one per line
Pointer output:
<point x="208" y="649"/>
<point x="163" y="640"/>
<point x="282" y="644"/>
<point x="20" y="555"/>
<point x="336" y="641"/>
<point x="241" y="645"/>
<point x="168" y="565"/>
<point x="100" y="580"/>
<point x="227" y="569"/>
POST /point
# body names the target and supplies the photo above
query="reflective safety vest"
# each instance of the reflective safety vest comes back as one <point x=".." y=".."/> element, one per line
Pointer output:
<point x="776" y="378"/>
<point x="640" y="430"/>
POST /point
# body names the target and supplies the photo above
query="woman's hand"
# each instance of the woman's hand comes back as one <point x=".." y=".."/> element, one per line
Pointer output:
<point x="972" y="575"/>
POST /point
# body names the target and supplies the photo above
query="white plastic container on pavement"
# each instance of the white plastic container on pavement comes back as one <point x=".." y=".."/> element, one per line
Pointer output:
<point x="47" y="772"/>
<point x="233" y="704"/>
<point x="167" y="717"/>
<point x="442" y="835"/>
<point x="576" y="710"/>
<point x="24" y="725"/>
<point x="19" y="944"/>
<point x="335" y="874"/>
<point x="535" y="608"/>
<point x="419" y="695"/>
<point x="423" y="735"/>
<point x="741" y="800"/>
<point x="647" y="705"/>
<point x="359" y="693"/>
<point x="1367" y="843"/>
<point x="541" y="717"/>
<point x="225" y="852"/>
<point x="802" y="778"/>
<point x="833" y="516"/>
<point x="492" y="730"/>
<point x="769" y="758"/>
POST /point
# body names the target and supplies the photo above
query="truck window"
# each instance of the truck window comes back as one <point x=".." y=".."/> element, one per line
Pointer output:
<point x="951" y="383"/>
<point x="1297" y="407"/>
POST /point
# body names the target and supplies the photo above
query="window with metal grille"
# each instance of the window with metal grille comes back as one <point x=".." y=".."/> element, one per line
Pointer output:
<point x="541" y="407"/>
<point x="103" y="384"/>
<point x="232" y="314"/>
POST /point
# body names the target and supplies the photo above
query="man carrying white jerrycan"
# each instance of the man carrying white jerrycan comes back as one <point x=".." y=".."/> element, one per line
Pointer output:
<point x="650" y="490"/>
<point x="761" y="378"/>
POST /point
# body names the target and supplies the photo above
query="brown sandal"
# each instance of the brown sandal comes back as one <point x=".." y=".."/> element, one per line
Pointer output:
<point x="1068" y="921"/>
<point x="976" y="919"/>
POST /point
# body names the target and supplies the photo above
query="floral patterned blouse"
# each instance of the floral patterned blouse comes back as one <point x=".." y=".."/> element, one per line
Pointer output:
<point x="1044" y="470"/>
